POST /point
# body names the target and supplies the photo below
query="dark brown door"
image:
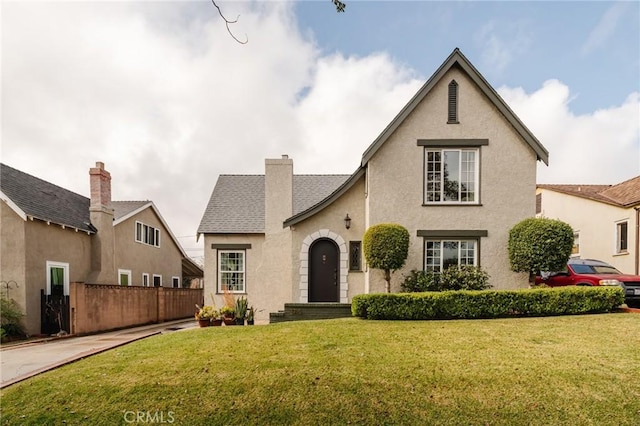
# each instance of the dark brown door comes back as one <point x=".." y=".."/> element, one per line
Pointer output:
<point x="323" y="272"/>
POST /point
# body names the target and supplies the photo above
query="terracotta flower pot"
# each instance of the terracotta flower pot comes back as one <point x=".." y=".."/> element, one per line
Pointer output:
<point x="204" y="322"/>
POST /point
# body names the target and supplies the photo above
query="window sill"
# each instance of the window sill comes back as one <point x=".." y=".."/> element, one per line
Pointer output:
<point x="451" y="204"/>
<point x="622" y="253"/>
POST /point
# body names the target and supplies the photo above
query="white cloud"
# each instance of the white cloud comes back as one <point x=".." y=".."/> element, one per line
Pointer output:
<point x="502" y="44"/>
<point x="602" y="147"/>
<point x="163" y="95"/>
<point x="600" y="34"/>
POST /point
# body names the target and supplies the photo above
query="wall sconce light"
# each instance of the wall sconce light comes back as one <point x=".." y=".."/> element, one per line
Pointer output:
<point x="347" y="221"/>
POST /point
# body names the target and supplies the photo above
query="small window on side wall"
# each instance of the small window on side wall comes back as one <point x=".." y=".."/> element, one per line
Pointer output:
<point x="622" y="241"/>
<point x="452" y="107"/>
<point x="355" y="255"/>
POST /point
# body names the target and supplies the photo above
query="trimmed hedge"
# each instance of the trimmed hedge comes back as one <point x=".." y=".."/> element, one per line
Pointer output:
<point x="466" y="304"/>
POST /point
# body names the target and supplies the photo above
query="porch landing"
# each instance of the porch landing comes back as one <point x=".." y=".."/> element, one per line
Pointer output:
<point x="310" y="311"/>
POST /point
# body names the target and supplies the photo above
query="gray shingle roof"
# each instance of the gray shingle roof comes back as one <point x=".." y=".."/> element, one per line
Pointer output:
<point x="236" y="205"/>
<point x="123" y="208"/>
<point x="45" y="201"/>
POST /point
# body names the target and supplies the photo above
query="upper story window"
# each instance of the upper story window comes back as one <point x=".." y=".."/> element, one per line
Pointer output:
<point x="451" y="176"/>
<point x="622" y="241"/>
<point x="452" y="110"/>
<point x="231" y="271"/>
<point x="147" y="234"/>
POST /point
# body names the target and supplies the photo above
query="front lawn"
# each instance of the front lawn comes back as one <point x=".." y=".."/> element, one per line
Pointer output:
<point x="578" y="370"/>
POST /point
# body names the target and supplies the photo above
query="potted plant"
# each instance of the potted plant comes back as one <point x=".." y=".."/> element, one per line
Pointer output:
<point x="241" y="310"/>
<point x="205" y="314"/>
<point x="251" y="315"/>
<point x="229" y="315"/>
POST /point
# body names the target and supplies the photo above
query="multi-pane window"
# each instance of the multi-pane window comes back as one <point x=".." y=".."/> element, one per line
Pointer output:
<point x="441" y="254"/>
<point x="622" y="242"/>
<point x="355" y="255"/>
<point x="147" y="234"/>
<point x="451" y="176"/>
<point x="231" y="271"/>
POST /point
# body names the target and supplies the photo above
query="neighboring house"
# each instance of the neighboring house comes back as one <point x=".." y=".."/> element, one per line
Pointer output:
<point x="52" y="236"/>
<point x="456" y="167"/>
<point x="605" y="219"/>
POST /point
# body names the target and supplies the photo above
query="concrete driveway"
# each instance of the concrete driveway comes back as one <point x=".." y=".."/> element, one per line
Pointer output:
<point x="21" y="361"/>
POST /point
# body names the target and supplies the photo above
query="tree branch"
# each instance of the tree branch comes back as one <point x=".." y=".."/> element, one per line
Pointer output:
<point x="227" y="22"/>
<point x="339" y="5"/>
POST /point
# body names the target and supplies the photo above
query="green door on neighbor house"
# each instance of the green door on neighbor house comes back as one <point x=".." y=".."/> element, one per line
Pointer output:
<point x="324" y="285"/>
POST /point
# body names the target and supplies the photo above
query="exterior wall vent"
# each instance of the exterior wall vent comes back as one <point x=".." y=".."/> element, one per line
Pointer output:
<point x="453" y="103"/>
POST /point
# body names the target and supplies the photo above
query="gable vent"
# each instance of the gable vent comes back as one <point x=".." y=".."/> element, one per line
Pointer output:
<point x="453" y="103"/>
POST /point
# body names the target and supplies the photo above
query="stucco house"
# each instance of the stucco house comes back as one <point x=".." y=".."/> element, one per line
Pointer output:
<point x="456" y="167"/>
<point x="605" y="219"/>
<point x="51" y="236"/>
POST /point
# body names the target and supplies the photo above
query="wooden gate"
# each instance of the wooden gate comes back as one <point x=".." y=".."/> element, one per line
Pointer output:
<point x="54" y="313"/>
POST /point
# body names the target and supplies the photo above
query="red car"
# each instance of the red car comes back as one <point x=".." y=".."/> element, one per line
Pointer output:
<point x="594" y="272"/>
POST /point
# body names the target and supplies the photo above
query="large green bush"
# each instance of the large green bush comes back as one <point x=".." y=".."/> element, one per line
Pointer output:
<point x="465" y="277"/>
<point x="386" y="247"/>
<point x="10" y="319"/>
<point x="539" y="244"/>
<point x="466" y="304"/>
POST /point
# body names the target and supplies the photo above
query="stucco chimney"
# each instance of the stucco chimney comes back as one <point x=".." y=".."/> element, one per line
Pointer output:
<point x="101" y="215"/>
<point x="278" y="193"/>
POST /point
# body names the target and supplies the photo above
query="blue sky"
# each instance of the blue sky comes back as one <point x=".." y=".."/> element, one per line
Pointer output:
<point x="161" y="93"/>
<point x="594" y="47"/>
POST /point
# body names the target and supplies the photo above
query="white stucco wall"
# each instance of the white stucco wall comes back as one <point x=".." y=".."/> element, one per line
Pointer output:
<point x="329" y="223"/>
<point x="596" y="224"/>
<point x="507" y="180"/>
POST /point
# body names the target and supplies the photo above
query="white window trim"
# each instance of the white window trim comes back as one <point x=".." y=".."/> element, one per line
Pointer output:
<point x="153" y="281"/>
<point x="65" y="285"/>
<point x="126" y="272"/>
<point x="179" y="283"/>
<point x="244" y="271"/>
<point x="476" y="186"/>
<point x="576" y="236"/>
<point x="145" y="275"/>
<point x="616" y="239"/>
<point x="443" y="240"/>
<point x="141" y="240"/>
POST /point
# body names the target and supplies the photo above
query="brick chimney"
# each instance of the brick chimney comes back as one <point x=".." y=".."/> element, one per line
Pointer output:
<point x="100" y="187"/>
<point x="101" y="215"/>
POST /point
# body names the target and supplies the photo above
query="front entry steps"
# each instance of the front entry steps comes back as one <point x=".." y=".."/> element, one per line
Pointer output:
<point x="310" y="311"/>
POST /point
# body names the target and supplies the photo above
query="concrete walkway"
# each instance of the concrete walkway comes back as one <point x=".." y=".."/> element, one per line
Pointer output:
<point x="21" y="361"/>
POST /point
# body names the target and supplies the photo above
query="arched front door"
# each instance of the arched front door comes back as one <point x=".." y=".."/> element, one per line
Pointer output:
<point x="324" y="283"/>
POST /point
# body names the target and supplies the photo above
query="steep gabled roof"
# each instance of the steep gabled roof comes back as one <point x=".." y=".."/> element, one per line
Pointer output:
<point x="625" y="194"/>
<point x="39" y="199"/>
<point x="458" y="59"/>
<point x="236" y="205"/>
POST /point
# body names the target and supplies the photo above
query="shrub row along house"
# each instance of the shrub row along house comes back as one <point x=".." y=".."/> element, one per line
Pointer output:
<point x="51" y="237"/>
<point x="456" y="167"/>
<point x="610" y="232"/>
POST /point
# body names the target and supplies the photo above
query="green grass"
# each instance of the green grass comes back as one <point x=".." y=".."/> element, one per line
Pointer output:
<point x="578" y="370"/>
